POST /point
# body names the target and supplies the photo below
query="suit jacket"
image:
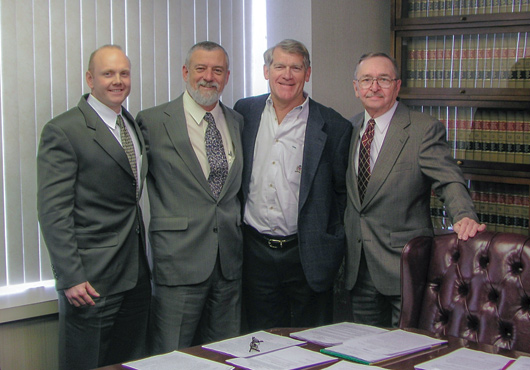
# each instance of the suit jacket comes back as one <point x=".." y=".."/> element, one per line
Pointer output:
<point x="189" y="228"/>
<point x="396" y="208"/>
<point x="322" y="193"/>
<point x="86" y="201"/>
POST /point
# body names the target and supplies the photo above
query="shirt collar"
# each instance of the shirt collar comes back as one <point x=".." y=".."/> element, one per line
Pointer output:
<point x="383" y="121"/>
<point x="105" y="113"/>
<point x="196" y="111"/>
<point x="299" y="108"/>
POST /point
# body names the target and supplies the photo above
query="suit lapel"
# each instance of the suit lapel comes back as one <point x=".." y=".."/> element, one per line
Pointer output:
<point x="395" y="140"/>
<point x="351" y="169"/>
<point x="315" y="140"/>
<point x="235" y="135"/>
<point x="177" y="130"/>
<point x="250" y="132"/>
<point x="103" y="136"/>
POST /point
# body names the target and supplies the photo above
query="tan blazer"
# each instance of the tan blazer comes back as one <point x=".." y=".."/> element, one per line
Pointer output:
<point x="414" y="157"/>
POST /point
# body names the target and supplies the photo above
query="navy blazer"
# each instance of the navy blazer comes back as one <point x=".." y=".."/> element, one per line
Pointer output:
<point x="322" y="197"/>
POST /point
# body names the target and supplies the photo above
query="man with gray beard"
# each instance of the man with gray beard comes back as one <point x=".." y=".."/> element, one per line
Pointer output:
<point x="195" y="163"/>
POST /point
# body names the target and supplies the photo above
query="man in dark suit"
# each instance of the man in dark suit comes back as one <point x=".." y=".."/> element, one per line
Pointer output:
<point x="405" y="155"/>
<point x="195" y="163"/>
<point x="90" y="171"/>
<point x="295" y="158"/>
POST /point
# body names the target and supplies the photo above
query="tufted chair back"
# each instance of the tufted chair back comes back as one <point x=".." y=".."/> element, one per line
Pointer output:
<point x="477" y="289"/>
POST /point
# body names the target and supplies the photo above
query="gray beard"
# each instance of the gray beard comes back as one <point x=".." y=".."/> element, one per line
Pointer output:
<point x="200" y="98"/>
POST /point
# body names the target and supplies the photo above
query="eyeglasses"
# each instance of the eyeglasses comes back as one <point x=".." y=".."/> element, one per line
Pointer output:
<point x="383" y="82"/>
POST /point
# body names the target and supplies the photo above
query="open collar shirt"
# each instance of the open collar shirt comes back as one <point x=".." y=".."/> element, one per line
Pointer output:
<point x="272" y="204"/>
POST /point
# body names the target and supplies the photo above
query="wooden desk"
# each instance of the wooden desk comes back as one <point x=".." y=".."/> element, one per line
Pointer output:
<point x="402" y="363"/>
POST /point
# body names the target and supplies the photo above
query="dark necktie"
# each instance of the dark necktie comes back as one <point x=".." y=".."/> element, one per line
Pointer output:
<point x="128" y="147"/>
<point x="216" y="156"/>
<point x="363" y="175"/>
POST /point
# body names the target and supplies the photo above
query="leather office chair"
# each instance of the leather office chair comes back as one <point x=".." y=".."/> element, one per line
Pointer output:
<point x="477" y="289"/>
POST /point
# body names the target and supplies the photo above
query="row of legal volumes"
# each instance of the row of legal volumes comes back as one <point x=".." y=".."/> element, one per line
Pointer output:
<point x="502" y="207"/>
<point x="490" y="135"/>
<point x="493" y="60"/>
<point x="443" y="8"/>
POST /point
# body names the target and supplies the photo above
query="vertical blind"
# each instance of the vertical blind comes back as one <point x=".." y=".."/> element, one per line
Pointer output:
<point x="44" y="51"/>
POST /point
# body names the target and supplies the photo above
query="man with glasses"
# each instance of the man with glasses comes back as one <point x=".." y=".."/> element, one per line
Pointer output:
<point x="396" y="156"/>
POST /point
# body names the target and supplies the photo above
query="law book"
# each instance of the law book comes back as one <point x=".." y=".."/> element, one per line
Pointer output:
<point x="465" y="130"/>
<point x="510" y="137"/>
<point x="472" y="55"/>
<point x="439" y="63"/>
<point x="509" y="209"/>
<point x="499" y="124"/>
<point x="481" y="7"/>
<point x="526" y="137"/>
<point x="487" y="140"/>
<point x="477" y="139"/>
<point x="491" y="205"/>
<point x="519" y="137"/>
<point x="481" y="60"/>
<point x="430" y="62"/>
<point x="464" y="60"/>
<point x="448" y="61"/>
<point x="423" y="8"/>
<point x="411" y="8"/>
<point x="420" y="61"/>
<point x="519" y="69"/>
<point x="411" y="63"/>
<point x="496" y="62"/>
<point x="526" y="205"/>
<point x="519" y="211"/>
<point x="526" y="78"/>
<point x="435" y="11"/>
<point x="500" y="207"/>
<point x="488" y="60"/>
<point x="505" y="63"/>
<point x="457" y="61"/>
<point x="475" y="190"/>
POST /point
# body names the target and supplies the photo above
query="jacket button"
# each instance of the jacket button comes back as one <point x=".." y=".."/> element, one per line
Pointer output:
<point x="214" y="229"/>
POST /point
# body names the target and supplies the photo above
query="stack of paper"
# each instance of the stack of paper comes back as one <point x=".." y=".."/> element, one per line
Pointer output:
<point x="467" y="359"/>
<point x="374" y="348"/>
<point x="335" y="334"/>
<point x="169" y="360"/>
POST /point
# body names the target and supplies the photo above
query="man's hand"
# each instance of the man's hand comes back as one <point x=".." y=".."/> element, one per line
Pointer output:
<point x="81" y="294"/>
<point x="467" y="228"/>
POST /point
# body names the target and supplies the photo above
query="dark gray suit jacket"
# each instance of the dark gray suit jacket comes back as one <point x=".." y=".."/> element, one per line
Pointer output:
<point x="414" y="157"/>
<point x="189" y="228"/>
<point x="86" y="201"/>
<point x="322" y="193"/>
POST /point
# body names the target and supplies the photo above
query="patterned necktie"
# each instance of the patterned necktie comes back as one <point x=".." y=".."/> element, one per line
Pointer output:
<point x="128" y="147"/>
<point x="363" y="175"/>
<point x="216" y="156"/>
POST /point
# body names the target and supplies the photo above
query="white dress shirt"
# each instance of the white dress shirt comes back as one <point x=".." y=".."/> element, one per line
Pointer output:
<point x="272" y="204"/>
<point x="197" y="130"/>
<point x="380" y="129"/>
<point x="109" y="117"/>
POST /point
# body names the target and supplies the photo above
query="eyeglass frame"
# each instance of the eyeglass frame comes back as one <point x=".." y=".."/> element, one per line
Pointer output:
<point x="372" y="79"/>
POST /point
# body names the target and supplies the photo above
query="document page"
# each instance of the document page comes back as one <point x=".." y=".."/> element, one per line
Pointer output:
<point x="332" y="335"/>
<point x="285" y="359"/>
<point x="176" y="360"/>
<point x="379" y="347"/>
<point x="347" y="365"/>
<point x="522" y="363"/>
<point x="253" y="344"/>
<point x="467" y="359"/>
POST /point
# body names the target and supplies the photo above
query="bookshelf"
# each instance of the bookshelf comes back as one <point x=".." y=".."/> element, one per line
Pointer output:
<point x="467" y="62"/>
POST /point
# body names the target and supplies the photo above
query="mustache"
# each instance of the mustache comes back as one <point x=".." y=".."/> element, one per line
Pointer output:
<point x="208" y="84"/>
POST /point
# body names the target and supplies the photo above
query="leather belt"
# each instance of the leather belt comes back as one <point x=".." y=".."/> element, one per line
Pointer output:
<point x="275" y="242"/>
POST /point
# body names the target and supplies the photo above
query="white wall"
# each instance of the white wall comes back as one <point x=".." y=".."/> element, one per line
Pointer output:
<point x="343" y="30"/>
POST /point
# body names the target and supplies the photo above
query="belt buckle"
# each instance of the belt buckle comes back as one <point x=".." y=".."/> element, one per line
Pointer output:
<point x="274" y="246"/>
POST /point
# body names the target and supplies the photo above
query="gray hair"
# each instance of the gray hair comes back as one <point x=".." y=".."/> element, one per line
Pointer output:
<point x="291" y="47"/>
<point x="374" y="55"/>
<point x="206" y="45"/>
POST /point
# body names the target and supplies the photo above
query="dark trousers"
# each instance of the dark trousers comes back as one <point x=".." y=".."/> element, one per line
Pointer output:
<point x="371" y="307"/>
<point x="113" y="331"/>
<point x="275" y="290"/>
